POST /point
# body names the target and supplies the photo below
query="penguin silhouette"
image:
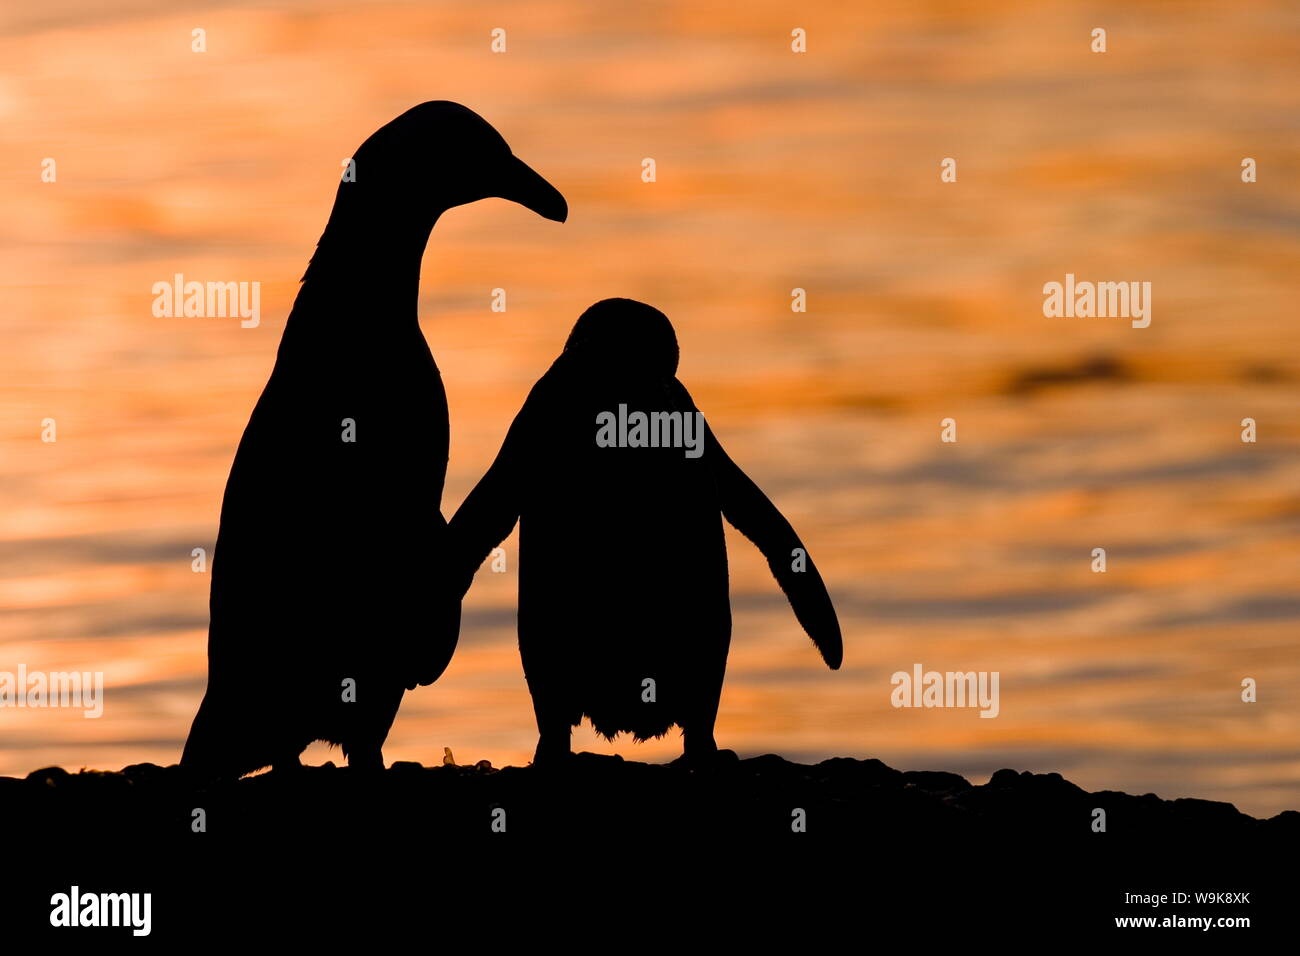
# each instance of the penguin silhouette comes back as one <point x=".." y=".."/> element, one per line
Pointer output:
<point x="322" y="611"/>
<point x="624" y="612"/>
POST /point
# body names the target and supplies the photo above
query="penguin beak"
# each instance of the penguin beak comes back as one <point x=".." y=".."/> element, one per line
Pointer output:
<point x="522" y="184"/>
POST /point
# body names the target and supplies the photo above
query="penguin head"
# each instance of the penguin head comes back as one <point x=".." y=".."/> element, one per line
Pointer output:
<point x="437" y="156"/>
<point x="623" y="336"/>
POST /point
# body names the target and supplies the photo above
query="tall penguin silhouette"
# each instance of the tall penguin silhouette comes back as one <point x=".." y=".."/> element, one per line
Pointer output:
<point x="322" y="611"/>
<point x="619" y="489"/>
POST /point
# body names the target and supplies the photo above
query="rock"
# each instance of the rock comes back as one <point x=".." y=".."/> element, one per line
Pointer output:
<point x="772" y="765"/>
<point x="936" y="781"/>
<point x="587" y="760"/>
<point x="1003" y="778"/>
<point x="50" y="776"/>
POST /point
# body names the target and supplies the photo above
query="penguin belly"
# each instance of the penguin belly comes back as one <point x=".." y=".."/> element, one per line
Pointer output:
<point x="624" y="615"/>
<point x="320" y="595"/>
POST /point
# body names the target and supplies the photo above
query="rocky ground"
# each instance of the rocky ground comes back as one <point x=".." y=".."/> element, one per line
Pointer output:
<point x="1021" y="847"/>
<point x="763" y="797"/>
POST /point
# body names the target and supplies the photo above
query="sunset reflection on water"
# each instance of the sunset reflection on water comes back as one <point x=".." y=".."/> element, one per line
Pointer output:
<point x="774" y="171"/>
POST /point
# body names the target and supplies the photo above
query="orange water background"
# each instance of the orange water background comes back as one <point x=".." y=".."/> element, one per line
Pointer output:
<point x="775" y="170"/>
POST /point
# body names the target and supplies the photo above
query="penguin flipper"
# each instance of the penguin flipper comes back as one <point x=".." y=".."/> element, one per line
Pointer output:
<point x="482" y="522"/>
<point x="435" y="656"/>
<point x="754" y="515"/>
<point x="489" y="513"/>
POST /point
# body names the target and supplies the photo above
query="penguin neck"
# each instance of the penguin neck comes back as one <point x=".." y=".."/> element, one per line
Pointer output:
<point x="368" y="264"/>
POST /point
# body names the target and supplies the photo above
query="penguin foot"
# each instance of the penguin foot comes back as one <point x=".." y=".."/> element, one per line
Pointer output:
<point x="552" y="753"/>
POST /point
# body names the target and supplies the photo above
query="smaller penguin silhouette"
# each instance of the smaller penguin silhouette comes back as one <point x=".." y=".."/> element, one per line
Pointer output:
<point x="620" y="488"/>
